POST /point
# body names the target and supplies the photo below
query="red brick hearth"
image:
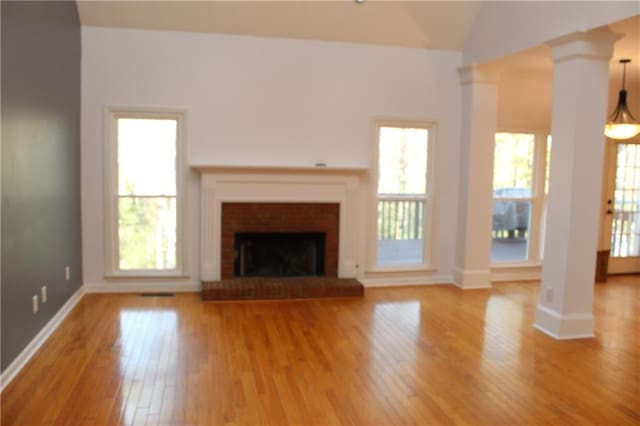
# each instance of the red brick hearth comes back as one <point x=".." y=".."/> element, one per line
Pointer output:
<point x="280" y="217"/>
<point x="281" y="288"/>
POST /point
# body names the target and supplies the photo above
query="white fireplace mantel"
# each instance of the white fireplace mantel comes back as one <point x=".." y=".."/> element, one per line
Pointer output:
<point x="299" y="170"/>
<point x="269" y="184"/>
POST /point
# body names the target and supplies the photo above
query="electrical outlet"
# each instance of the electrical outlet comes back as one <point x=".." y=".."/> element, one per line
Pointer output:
<point x="67" y="273"/>
<point x="548" y="294"/>
<point x="34" y="301"/>
<point x="44" y="294"/>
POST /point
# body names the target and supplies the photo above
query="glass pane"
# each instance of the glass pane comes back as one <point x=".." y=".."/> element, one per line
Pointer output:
<point x="402" y="165"/>
<point x="547" y="166"/>
<point x="625" y="231"/>
<point x="400" y="232"/>
<point x="146" y="156"/>
<point x="513" y="165"/>
<point x="510" y="232"/>
<point x="147" y="232"/>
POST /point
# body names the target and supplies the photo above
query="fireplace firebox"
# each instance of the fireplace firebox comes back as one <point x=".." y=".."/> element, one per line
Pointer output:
<point x="279" y="254"/>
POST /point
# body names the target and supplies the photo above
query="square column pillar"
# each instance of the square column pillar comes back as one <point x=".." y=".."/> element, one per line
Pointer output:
<point x="473" y="245"/>
<point x="580" y="89"/>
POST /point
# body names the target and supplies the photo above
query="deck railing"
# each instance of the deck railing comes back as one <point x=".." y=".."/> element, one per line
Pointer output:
<point x="401" y="219"/>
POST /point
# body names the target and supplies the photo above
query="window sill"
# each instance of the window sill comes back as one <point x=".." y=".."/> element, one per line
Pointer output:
<point x="507" y="265"/>
<point x="146" y="276"/>
<point x="396" y="269"/>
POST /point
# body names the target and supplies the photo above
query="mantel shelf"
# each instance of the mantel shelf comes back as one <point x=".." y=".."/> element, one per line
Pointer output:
<point x="302" y="170"/>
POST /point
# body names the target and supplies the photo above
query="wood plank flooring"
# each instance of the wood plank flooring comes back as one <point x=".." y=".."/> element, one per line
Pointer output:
<point x="413" y="355"/>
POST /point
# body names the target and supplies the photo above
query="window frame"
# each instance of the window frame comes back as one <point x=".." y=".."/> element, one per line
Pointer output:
<point x="111" y="116"/>
<point x="538" y="199"/>
<point x="428" y="198"/>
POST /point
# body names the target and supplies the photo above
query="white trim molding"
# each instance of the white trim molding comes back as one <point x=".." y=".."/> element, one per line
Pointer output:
<point x="563" y="327"/>
<point x="597" y="44"/>
<point x="36" y="343"/>
<point x="472" y="280"/>
<point x="504" y="273"/>
<point x="399" y="281"/>
<point x="479" y="74"/>
<point x="144" y="286"/>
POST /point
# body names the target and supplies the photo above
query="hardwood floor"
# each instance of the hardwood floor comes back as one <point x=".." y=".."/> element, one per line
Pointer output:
<point x="420" y="355"/>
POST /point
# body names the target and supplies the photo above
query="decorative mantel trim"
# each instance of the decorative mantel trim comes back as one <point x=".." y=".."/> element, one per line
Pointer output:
<point x="299" y="170"/>
<point x="256" y="184"/>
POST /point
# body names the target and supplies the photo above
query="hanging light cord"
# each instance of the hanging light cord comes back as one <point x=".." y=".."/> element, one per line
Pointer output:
<point x="622" y="109"/>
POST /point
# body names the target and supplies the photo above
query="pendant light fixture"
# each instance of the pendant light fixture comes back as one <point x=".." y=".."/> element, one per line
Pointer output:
<point x="621" y="124"/>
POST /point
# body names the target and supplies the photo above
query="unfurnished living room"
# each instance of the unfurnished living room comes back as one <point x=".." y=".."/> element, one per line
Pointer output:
<point x="320" y="212"/>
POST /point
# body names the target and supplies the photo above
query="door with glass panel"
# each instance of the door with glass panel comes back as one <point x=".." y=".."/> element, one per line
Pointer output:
<point x="623" y="208"/>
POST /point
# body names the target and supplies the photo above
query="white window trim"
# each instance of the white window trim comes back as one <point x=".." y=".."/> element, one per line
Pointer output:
<point x="538" y="199"/>
<point x="429" y="198"/>
<point x="111" y="114"/>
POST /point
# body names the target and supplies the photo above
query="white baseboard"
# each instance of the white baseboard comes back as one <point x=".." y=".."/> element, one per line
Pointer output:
<point x="390" y="281"/>
<point x="472" y="279"/>
<point x="27" y="353"/>
<point x="143" y="287"/>
<point x="563" y="326"/>
<point x="523" y="273"/>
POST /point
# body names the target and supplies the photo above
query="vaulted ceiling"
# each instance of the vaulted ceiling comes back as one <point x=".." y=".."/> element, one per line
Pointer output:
<point x="538" y="59"/>
<point x="427" y="24"/>
<point x="422" y="24"/>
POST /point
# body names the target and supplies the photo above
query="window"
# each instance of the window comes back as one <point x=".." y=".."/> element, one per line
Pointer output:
<point x="520" y="182"/>
<point x="402" y="196"/>
<point x="144" y="163"/>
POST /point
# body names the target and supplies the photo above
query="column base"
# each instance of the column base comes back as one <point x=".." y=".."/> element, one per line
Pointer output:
<point x="472" y="279"/>
<point x="563" y="327"/>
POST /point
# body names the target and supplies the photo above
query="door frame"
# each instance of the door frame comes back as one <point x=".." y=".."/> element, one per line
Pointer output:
<point x="616" y="265"/>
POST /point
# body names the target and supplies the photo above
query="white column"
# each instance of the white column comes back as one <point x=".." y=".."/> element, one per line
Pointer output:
<point x="479" y="104"/>
<point x="580" y="87"/>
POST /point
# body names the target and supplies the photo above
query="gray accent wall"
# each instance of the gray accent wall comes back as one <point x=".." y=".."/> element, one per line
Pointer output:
<point x="40" y="165"/>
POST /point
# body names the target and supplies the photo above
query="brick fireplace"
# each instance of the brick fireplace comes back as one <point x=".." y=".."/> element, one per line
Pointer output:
<point x="279" y="218"/>
<point x="243" y="199"/>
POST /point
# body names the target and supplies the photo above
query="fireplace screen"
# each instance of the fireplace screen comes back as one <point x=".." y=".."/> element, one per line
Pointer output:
<point x="279" y="254"/>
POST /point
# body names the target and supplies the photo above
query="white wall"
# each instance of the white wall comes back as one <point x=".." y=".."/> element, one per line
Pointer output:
<point x="262" y="101"/>
<point x="503" y="28"/>
<point x="524" y="103"/>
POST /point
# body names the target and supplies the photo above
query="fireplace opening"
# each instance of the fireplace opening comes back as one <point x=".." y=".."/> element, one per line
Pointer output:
<point x="279" y="254"/>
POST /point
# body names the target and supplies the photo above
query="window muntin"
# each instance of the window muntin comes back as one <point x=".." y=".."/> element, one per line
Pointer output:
<point x="402" y="195"/>
<point x="144" y="234"/>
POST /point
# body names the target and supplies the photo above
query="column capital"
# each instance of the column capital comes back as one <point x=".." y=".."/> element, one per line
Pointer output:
<point x="478" y="74"/>
<point x="597" y="44"/>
